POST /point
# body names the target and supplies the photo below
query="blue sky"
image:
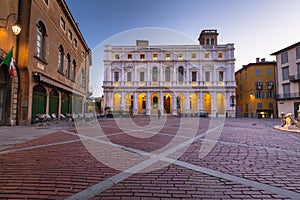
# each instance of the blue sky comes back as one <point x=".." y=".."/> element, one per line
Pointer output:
<point x="256" y="27"/>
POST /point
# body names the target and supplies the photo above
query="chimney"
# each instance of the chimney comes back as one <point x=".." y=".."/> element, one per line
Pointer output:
<point x="257" y="60"/>
<point x="263" y="60"/>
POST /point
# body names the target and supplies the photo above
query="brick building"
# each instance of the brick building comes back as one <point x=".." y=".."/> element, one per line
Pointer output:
<point x="52" y="61"/>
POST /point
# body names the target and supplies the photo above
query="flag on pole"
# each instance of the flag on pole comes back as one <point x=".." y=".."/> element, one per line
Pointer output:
<point x="9" y="61"/>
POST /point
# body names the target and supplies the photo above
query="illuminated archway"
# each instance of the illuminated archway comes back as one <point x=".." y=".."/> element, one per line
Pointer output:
<point x="221" y="103"/>
<point x="180" y="103"/>
<point x="154" y="103"/>
<point x="207" y="103"/>
<point x="193" y="103"/>
<point x="142" y="102"/>
<point x="117" y="101"/>
<point x="129" y="102"/>
<point x="167" y="103"/>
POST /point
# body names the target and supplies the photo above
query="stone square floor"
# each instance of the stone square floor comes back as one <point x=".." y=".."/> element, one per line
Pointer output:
<point x="150" y="158"/>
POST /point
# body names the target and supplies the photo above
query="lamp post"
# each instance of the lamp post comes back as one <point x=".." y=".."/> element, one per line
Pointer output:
<point x="16" y="28"/>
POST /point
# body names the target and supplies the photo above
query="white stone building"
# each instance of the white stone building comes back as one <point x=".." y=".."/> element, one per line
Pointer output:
<point x="288" y="79"/>
<point x="177" y="79"/>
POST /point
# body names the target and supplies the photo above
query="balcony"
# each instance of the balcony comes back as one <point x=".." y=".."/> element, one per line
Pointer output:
<point x="293" y="95"/>
<point x="259" y="87"/>
<point x="294" y="78"/>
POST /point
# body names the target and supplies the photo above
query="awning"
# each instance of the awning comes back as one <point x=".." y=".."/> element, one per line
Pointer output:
<point x="55" y="83"/>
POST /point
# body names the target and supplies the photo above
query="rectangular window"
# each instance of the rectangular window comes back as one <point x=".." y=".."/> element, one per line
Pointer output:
<point x="206" y="55"/>
<point x="269" y="72"/>
<point x="246" y="75"/>
<point x="298" y="52"/>
<point x="168" y="56"/>
<point x="270" y="95"/>
<point x="82" y="77"/>
<point x="154" y="56"/>
<point x="62" y="24"/>
<point x="142" y="56"/>
<point x="129" y="75"/>
<point x="220" y="55"/>
<point x="284" y="57"/>
<point x="259" y="105"/>
<point x="194" y="76"/>
<point x="286" y="90"/>
<point x="142" y="76"/>
<point x="129" y="56"/>
<point x="180" y="57"/>
<point x="70" y="35"/>
<point x="241" y="87"/>
<point x="298" y="69"/>
<point x="258" y="72"/>
<point x="259" y="94"/>
<point x="207" y="76"/>
<point x="116" y="77"/>
<point x="270" y="105"/>
<point x="75" y="43"/>
<point x="193" y="55"/>
<point x="117" y="56"/>
<point x="285" y="73"/>
<point x="221" y="76"/>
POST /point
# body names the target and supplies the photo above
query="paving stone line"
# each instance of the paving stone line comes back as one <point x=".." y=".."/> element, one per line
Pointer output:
<point x="251" y="146"/>
<point x="38" y="146"/>
<point x="295" y="137"/>
<point x="110" y="182"/>
<point x="254" y="184"/>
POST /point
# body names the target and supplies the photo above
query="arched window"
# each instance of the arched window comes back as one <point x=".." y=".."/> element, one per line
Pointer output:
<point x="168" y="74"/>
<point x="155" y="102"/>
<point x="73" y="70"/>
<point x="68" y="65"/>
<point x="207" y="41"/>
<point x="154" y="74"/>
<point x="40" y="40"/>
<point x="60" y="59"/>
<point x="212" y="41"/>
<point x="180" y="73"/>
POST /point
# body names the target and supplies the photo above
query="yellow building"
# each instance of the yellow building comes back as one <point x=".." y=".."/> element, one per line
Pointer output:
<point x="255" y="90"/>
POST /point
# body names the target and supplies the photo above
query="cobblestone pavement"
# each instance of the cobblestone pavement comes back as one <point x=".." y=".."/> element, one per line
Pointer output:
<point x="147" y="158"/>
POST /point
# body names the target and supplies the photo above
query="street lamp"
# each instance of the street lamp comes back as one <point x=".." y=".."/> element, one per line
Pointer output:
<point x="16" y="28"/>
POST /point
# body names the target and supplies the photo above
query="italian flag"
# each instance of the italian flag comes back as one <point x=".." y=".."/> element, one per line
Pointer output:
<point x="9" y="61"/>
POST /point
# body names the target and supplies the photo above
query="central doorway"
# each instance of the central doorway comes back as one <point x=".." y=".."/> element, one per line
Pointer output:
<point x="167" y="103"/>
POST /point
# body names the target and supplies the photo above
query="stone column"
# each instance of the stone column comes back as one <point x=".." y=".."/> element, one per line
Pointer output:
<point x="47" y="101"/>
<point x="135" y="103"/>
<point x="122" y="101"/>
<point x="200" y="102"/>
<point x="174" y="79"/>
<point x="148" y="103"/>
<point x="161" y="75"/>
<point x="161" y="102"/>
<point x="187" y="104"/>
<point x="174" y="104"/>
<point x="214" y="104"/>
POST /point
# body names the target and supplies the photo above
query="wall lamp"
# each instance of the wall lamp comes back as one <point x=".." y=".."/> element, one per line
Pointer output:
<point x="16" y="28"/>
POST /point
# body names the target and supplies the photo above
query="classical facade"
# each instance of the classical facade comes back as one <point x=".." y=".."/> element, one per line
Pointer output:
<point x="288" y="79"/>
<point x="177" y="79"/>
<point x="256" y="89"/>
<point x="52" y="61"/>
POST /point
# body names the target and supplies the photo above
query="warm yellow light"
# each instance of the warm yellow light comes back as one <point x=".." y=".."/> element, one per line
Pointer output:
<point x="16" y="29"/>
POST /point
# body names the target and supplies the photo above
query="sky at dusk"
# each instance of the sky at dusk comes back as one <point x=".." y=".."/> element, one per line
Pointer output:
<point x="256" y="27"/>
